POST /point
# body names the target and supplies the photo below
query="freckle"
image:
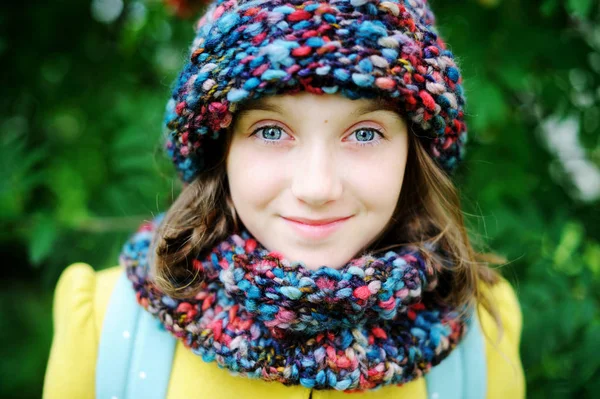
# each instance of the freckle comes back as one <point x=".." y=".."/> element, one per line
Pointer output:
<point x="326" y="121"/>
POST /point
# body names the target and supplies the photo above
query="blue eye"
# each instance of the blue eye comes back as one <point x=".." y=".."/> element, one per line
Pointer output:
<point x="365" y="134"/>
<point x="270" y="132"/>
<point x="273" y="134"/>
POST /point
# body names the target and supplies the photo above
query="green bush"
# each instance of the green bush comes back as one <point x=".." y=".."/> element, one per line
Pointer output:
<point x="84" y="88"/>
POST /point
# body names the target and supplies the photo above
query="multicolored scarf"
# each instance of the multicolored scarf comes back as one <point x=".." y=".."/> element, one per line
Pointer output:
<point x="373" y="322"/>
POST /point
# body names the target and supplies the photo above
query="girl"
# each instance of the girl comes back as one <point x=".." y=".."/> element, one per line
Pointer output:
<point x="318" y="246"/>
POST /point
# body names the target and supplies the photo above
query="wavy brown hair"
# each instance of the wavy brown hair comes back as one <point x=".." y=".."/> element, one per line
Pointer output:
<point x="429" y="212"/>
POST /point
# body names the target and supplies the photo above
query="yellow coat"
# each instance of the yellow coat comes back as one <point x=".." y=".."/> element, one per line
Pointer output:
<point x="81" y="299"/>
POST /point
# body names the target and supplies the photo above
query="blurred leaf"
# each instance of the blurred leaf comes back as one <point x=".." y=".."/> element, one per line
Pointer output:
<point x="589" y="343"/>
<point x="488" y="105"/>
<point x="549" y="7"/>
<point x="43" y="237"/>
<point x="81" y="162"/>
<point x="17" y="172"/>
<point x="591" y="256"/>
<point x="571" y="239"/>
<point x="580" y="8"/>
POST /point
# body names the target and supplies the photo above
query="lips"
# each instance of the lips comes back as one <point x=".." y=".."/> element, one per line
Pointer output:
<point x="316" y="222"/>
<point x="315" y="229"/>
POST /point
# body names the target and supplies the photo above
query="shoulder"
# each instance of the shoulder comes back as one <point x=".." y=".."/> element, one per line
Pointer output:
<point x="82" y="294"/>
<point x="80" y="301"/>
<point x="505" y="371"/>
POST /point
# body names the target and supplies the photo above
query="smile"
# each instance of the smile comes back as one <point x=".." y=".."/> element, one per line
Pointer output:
<point x="315" y="229"/>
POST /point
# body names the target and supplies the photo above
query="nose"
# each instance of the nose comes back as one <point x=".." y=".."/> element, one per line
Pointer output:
<point x="316" y="179"/>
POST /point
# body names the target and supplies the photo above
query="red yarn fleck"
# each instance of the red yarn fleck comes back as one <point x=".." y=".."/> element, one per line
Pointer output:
<point x="260" y="17"/>
<point x="276" y="255"/>
<point x="184" y="307"/>
<point x="217" y="107"/>
<point x="293" y="69"/>
<point x="322" y="29"/>
<point x="191" y="314"/>
<point x="362" y="292"/>
<point x="260" y="70"/>
<point x="410" y="259"/>
<point x="180" y="107"/>
<point x="330" y="351"/>
<point x="146" y="227"/>
<point x="143" y="302"/>
<point x="343" y="362"/>
<point x="246" y="59"/>
<point x="364" y="383"/>
<point x="233" y="312"/>
<point x="207" y="303"/>
<point x="411" y="314"/>
<point x="301" y="51"/>
<point x="410" y="101"/>
<point x="250" y="245"/>
<point x="412" y="308"/>
<point x="224" y="264"/>
<point x="434" y="50"/>
<point x="388" y="304"/>
<point x="328" y="48"/>
<point x="309" y="33"/>
<point x="379" y="333"/>
<point x="196" y="264"/>
<point x="245" y="324"/>
<point x="448" y="143"/>
<point x="374" y="373"/>
<point x="323" y="9"/>
<point x="226" y="340"/>
<point x="311" y="89"/>
<point x="258" y="39"/>
<point x="299" y="15"/>
<point x="252" y="11"/>
<point x="323" y="283"/>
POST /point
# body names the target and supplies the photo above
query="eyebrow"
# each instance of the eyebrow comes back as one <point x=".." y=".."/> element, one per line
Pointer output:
<point x="259" y="105"/>
<point x="376" y="104"/>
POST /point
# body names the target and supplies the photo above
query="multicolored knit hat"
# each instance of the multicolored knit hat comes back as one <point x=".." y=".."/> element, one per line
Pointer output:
<point x="359" y="48"/>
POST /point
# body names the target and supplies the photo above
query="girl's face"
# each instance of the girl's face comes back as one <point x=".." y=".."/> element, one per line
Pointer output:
<point x="316" y="177"/>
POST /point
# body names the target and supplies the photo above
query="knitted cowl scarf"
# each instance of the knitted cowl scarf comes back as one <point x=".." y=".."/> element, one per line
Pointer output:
<point x="371" y="323"/>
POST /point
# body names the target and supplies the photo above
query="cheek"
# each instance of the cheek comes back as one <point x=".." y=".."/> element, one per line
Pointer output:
<point x="253" y="179"/>
<point x="379" y="191"/>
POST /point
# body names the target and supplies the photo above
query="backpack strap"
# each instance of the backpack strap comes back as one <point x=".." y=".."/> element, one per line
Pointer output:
<point x="463" y="374"/>
<point x="135" y="354"/>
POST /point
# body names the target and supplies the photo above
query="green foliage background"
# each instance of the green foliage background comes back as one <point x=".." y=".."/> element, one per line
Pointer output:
<point x="81" y="162"/>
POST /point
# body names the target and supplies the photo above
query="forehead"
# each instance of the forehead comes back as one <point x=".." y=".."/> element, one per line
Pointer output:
<point x="285" y="103"/>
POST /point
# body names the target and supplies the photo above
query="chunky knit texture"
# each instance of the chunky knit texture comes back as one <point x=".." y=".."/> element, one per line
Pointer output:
<point x="360" y="48"/>
<point x="373" y="322"/>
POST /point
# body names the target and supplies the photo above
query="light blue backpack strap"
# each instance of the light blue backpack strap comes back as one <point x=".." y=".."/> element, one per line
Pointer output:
<point x="151" y="360"/>
<point x="116" y="342"/>
<point x="463" y="374"/>
<point x="475" y="362"/>
<point x="135" y="352"/>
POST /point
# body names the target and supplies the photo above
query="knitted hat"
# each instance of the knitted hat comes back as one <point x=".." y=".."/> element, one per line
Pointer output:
<point x="359" y="48"/>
